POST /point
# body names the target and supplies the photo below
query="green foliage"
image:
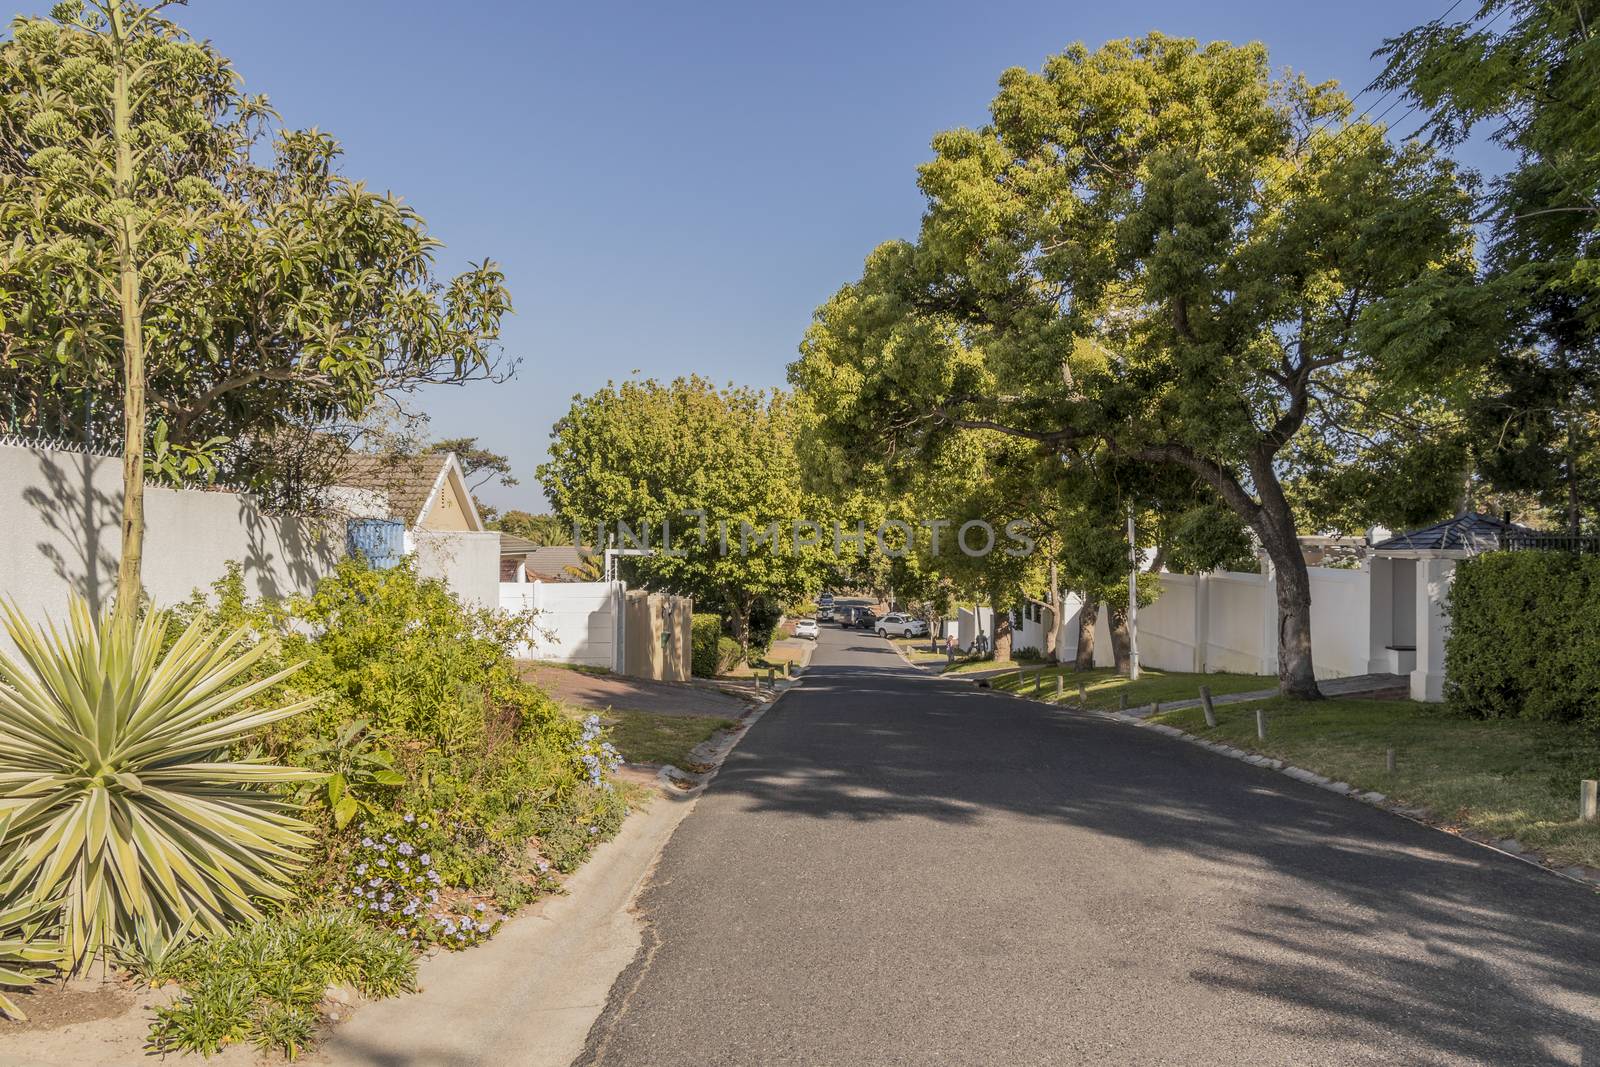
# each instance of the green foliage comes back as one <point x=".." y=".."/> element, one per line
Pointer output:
<point x="358" y="773"/>
<point x="729" y="654"/>
<point x="1165" y="254"/>
<point x="540" y="529"/>
<point x="262" y="984"/>
<point x="395" y="883"/>
<point x="638" y="453"/>
<point x="765" y="615"/>
<point x="1525" y="637"/>
<point x="27" y="953"/>
<point x="277" y="294"/>
<point x="705" y="634"/>
<point x="116" y="775"/>
<point x="1529" y="80"/>
<point x="155" y="955"/>
<point x="415" y="687"/>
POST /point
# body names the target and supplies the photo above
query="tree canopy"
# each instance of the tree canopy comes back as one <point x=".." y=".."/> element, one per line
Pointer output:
<point x="1528" y="71"/>
<point x="717" y="465"/>
<point x="276" y="294"/>
<point x="1165" y="253"/>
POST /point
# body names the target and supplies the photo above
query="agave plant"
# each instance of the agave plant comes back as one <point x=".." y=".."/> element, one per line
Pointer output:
<point x="116" y="778"/>
<point x="26" y="953"/>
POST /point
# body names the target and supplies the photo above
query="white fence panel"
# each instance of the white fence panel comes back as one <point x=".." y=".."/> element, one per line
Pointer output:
<point x="1236" y="623"/>
<point x="1341" y="621"/>
<point x="579" y="622"/>
<point x="1168" y="640"/>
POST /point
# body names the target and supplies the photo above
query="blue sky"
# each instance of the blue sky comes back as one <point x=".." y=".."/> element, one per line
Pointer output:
<point x="675" y="187"/>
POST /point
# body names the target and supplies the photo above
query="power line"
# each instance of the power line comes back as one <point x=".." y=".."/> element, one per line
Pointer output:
<point x="1366" y="123"/>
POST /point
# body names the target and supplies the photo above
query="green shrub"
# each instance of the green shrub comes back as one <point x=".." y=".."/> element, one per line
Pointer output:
<point x="706" y="631"/>
<point x="263" y="983"/>
<point x="419" y="688"/>
<point x="1525" y="636"/>
<point x="764" y="619"/>
<point x="729" y="654"/>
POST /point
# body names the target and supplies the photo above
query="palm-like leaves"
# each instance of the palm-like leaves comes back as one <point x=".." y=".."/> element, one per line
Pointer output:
<point x="115" y="779"/>
<point x="26" y="954"/>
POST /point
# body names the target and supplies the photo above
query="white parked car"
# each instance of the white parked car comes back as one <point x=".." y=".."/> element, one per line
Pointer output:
<point x="900" y="625"/>
<point x="806" y="628"/>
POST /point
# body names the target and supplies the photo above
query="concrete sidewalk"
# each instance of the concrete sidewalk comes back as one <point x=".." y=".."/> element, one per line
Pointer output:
<point x="529" y="995"/>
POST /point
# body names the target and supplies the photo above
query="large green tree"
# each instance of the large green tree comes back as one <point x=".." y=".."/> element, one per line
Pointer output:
<point x="1528" y="72"/>
<point x="716" y="465"/>
<point x="166" y="243"/>
<point x="1166" y="253"/>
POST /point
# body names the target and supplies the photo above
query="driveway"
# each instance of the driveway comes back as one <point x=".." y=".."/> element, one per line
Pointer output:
<point x="898" y="869"/>
<point x="600" y="691"/>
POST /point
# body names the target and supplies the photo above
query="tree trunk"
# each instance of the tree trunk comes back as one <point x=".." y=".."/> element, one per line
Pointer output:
<point x="129" y="570"/>
<point x="1050" y="634"/>
<point x="739" y="612"/>
<point x="1574" y="507"/>
<point x="1002" y="634"/>
<point x="1121" y="647"/>
<point x="1087" y="617"/>
<point x="1275" y="526"/>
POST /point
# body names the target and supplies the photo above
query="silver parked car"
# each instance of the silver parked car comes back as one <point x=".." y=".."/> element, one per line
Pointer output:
<point x="898" y="624"/>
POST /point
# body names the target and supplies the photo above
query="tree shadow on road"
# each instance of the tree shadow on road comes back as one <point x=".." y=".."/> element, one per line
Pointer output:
<point x="1370" y="927"/>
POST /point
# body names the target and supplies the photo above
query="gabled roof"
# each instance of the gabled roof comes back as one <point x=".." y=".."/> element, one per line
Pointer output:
<point x="1469" y="533"/>
<point x="552" y="561"/>
<point x="411" y="483"/>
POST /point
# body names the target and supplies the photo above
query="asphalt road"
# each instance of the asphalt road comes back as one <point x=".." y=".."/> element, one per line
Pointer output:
<point x="895" y="869"/>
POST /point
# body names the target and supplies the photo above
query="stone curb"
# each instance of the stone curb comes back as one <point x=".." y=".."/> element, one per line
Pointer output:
<point x="1588" y="877"/>
<point x="716" y="750"/>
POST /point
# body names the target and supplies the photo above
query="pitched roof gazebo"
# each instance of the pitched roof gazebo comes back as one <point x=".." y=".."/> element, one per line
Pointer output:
<point x="1412" y="572"/>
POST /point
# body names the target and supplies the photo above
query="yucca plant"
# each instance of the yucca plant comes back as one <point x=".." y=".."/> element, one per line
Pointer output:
<point x="115" y="774"/>
<point x="27" y="952"/>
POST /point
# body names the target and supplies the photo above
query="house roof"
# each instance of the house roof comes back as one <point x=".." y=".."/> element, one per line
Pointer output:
<point x="1468" y="533"/>
<point x="512" y="545"/>
<point x="552" y="561"/>
<point x="410" y="483"/>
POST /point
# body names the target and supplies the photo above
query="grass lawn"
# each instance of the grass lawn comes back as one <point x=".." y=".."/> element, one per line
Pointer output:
<point x="578" y="668"/>
<point x="643" y="737"/>
<point x="974" y="665"/>
<point x="1508" y="778"/>
<point x="1105" y="685"/>
<point x="916" y="650"/>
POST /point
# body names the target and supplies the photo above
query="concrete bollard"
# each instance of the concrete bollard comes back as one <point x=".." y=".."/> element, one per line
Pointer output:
<point x="1155" y="708"/>
<point x="1038" y="682"/>
<point x="1061" y="687"/>
<point x="1261" y="724"/>
<point x="1122" y="701"/>
<point x="1083" y="694"/>
<point x="1589" y="800"/>
<point x="1206" y="706"/>
<point x="1388" y="760"/>
<point x="772" y="676"/>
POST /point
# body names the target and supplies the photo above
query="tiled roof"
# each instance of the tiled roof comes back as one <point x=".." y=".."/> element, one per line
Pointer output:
<point x="1467" y="533"/>
<point x="406" y="480"/>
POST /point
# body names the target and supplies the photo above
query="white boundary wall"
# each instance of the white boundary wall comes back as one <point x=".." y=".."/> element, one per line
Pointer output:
<point x="469" y="563"/>
<point x="61" y="533"/>
<point x="578" y="622"/>
<point x="1228" y="621"/>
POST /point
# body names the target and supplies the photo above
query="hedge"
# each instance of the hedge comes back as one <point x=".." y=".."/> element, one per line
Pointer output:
<point x="1525" y="636"/>
<point x="705" y="629"/>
